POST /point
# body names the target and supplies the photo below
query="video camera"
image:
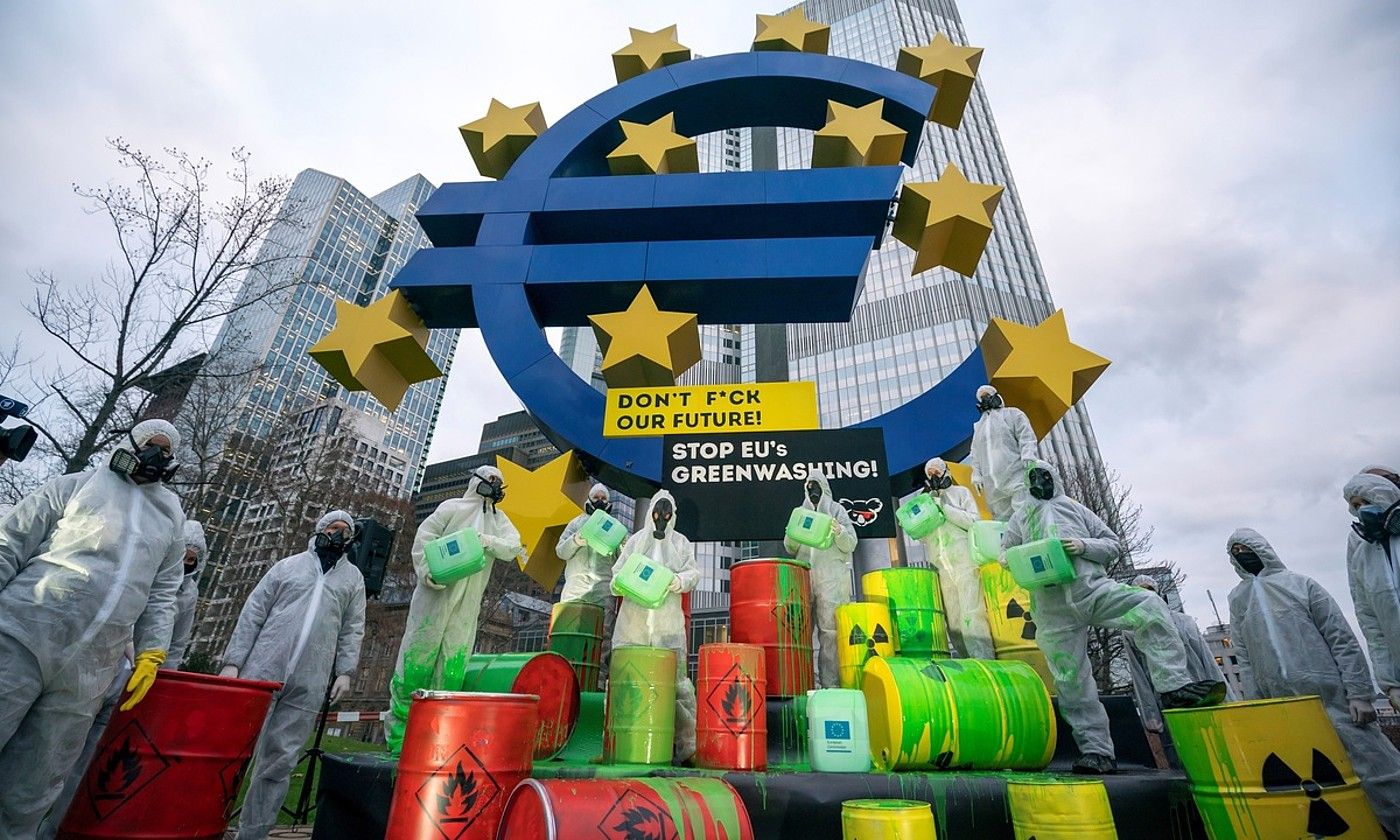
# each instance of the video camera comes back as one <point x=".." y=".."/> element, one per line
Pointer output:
<point x="15" y="443"/>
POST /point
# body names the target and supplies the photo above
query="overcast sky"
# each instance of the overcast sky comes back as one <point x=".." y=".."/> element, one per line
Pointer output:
<point x="1213" y="189"/>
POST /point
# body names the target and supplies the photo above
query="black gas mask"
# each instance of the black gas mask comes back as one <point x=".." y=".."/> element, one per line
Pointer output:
<point x="1247" y="559"/>
<point x="597" y="504"/>
<point x="143" y="464"/>
<point x="1375" y="523"/>
<point x="490" y="488"/>
<point x="1041" y="483"/>
<point x="988" y="403"/>
<point x="331" y="547"/>
<point x="661" y="514"/>
<point x="814" y="492"/>
<point x="938" y="482"/>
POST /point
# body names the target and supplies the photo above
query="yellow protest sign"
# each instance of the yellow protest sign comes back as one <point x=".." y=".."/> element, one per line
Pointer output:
<point x="711" y="409"/>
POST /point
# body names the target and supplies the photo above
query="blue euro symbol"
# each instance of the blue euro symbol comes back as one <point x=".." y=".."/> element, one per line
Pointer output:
<point x="559" y="239"/>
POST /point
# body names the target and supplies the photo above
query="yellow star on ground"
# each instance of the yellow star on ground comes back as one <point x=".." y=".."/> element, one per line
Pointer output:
<point x="947" y="222"/>
<point x="648" y="51"/>
<point x="1038" y="369"/>
<point x="653" y="149"/>
<point x="498" y="138"/>
<point x="857" y="137"/>
<point x="540" y="503"/>
<point x="791" y="32"/>
<point x="377" y="348"/>
<point x="645" y="346"/>
<point x="950" y="68"/>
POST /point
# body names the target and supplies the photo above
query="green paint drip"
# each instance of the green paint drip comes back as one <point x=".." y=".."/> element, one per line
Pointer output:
<point x="641" y="708"/>
<point x="915" y="603"/>
<point x="576" y="633"/>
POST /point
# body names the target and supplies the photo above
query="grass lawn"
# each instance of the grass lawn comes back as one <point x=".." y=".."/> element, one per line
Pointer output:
<point x="329" y="743"/>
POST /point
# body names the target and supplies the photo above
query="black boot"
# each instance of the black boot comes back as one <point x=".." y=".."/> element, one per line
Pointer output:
<point x="1094" y="764"/>
<point x="1195" y="695"/>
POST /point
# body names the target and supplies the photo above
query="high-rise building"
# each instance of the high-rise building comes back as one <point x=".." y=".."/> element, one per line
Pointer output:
<point x="908" y="330"/>
<point x="292" y="442"/>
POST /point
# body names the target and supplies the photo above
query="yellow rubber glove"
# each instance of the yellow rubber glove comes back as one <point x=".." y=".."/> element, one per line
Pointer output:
<point x="143" y="676"/>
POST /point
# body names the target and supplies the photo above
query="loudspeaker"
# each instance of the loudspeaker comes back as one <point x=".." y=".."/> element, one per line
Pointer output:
<point x="373" y="545"/>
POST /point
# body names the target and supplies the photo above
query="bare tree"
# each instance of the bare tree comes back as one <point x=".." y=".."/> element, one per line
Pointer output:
<point x="1106" y="494"/>
<point x="185" y="243"/>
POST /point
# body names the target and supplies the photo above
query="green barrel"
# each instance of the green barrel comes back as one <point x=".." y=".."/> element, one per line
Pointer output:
<point x="957" y="714"/>
<point x="586" y="744"/>
<point x="641" y="715"/>
<point x="576" y="633"/>
<point x="916" y="608"/>
<point x="547" y="675"/>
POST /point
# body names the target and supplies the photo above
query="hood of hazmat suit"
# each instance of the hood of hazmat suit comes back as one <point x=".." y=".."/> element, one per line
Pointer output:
<point x="1292" y="639"/>
<point x="187" y="597"/>
<point x="830" y="576"/>
<point x="587" y="574"/>
<point x="950" y="555"/>
<point x="1375" y="584"/>
<point x="301" y="626"/>
<point x="1003" y="442"/>
<point x="442" y="620"/>
<point x="663" y="627"/>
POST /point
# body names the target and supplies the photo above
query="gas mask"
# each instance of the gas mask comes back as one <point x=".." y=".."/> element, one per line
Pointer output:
<point x="661" y="515"/>
<point x="814" y="492"/>
<point x="490" y="488"/>
<point x="143" y="464"/>
<point x="988" y="403"/>
<point x="597" y="504"/>
<point x="331" y="547"/>
<point x="1041" y="483"/>
<point x="1247" y="560"/>
<point x="1375" y="523"/>
<point x="939" y="482"/>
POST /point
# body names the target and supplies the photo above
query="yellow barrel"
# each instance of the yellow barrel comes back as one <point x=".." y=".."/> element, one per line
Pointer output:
<point x="863" y="631"/>
<point x="1059" y="808"/>
<point x="887" y="819"/>
<point x="1270" y="768"/>
<point x="1012" y="624"/>
<point x="915" y="602"/>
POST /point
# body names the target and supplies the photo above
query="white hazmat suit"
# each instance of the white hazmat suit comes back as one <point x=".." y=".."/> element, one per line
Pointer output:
<point x="950" y="554"/>
<point x="663" y="627"/>
<point x="1003" y="443"/>
<point x="300" y="626"/>
<point x="831" y="576"/>
<point x="1200" y="662"/>
<point x="1375" y="584"/>
<point x="1063" y="613"/>
<point x="88" y="562"/>
<point x="588" y="574"/>
<point x="1292" y="639"/>
<point x="187" y="596"/>
<point x="442" y="620"/>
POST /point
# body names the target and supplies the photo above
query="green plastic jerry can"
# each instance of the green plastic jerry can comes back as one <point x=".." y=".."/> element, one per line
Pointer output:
<point x="920" y="516"/>
<point x="454" y="556"/>
<point x="811" y="528"/>
<point x="986" y="539"/>
<point x="603" y="533"/>
<point x="644" y="581"/>
<point x="1039" y="564"/>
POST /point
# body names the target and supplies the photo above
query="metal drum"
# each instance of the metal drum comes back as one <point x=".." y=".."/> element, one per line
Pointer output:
<point x="770" y="605"/>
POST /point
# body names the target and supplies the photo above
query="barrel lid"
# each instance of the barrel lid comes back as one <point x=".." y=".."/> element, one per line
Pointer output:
<point x="430" y="694"/>
<point x="885" y="804"/>
<point x="1239" y="704"/>
<point x="754" y="561"/>
<point x="212" y="680"/>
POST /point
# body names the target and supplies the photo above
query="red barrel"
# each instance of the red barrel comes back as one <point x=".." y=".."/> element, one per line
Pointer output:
<point x="171" y="767"/>
<point x="548" y="676"/>
<point x="770" y="606"/>
<point x="463" y="754"/>
<point x="588" y="809"/>
<point x="731" y="724"/>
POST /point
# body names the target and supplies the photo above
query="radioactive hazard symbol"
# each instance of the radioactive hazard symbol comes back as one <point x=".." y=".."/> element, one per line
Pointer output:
<point x="1014" y="611"/>
<point x="734" y="699"/>
<point x="1323" y="819"/>
<point x="635" y="816"/>
<point x="129" y="762"/>
<point x="457" y="793"/>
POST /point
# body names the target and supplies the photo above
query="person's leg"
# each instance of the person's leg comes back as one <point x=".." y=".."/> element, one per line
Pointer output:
<point x="1065" y="644"/>
<point x="59" y="809"/>
<point x="684" y="746"/>
<point x="284" y="733"/>
<point x="1142" y="613"/>
<point x="1376" y="762"/>
<point x="831" y="587"/>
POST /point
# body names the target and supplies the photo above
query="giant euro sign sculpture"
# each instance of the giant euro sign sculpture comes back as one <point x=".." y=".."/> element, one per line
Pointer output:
<point x="560" y="238"/>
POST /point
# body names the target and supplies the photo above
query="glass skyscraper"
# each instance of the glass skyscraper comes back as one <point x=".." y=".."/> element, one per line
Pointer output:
<point x="908" y="330"/>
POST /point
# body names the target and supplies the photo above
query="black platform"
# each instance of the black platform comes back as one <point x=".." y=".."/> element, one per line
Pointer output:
<point x="1148" y="804"/>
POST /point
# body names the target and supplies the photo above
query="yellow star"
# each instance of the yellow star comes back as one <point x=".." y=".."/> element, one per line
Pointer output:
<point x="857" y="137"/>
<point x="947" y="222"/>
<point x="540" y="503"/>
<point x="1038" y="369"/>
<point x="648" y="51"/>
<point x="644" y="346"/>
<point x="653" y="149"/>
<point x="498" y="138"/>
<point x="950" y="68"/>
<point x="378" y="348"/>
<point x="791" y="32"/>
<point x="962" y="475"/>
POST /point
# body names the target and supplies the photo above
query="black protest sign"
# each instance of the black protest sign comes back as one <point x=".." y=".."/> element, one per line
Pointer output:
<point x="743" y="487"/>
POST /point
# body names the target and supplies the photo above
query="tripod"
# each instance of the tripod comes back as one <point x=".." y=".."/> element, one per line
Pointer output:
<point x="306" y="802"/>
